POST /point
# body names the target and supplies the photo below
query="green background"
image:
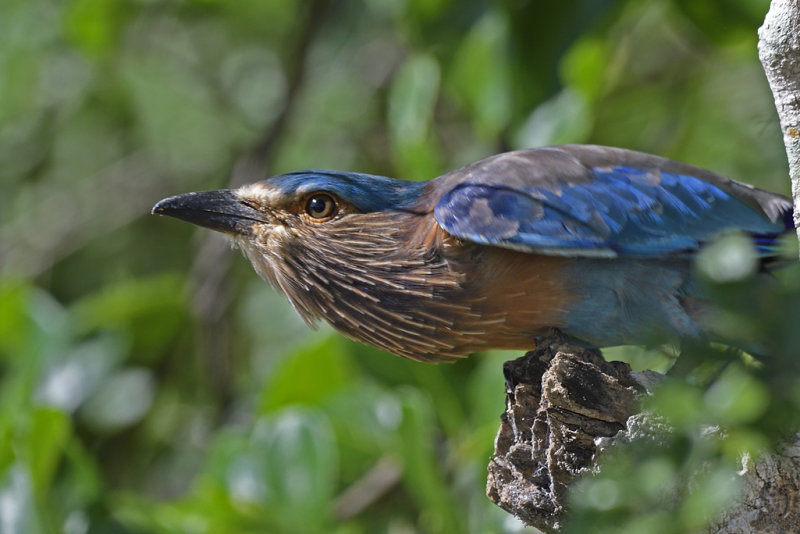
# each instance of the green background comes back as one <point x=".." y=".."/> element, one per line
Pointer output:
<point x="150" y="382"/>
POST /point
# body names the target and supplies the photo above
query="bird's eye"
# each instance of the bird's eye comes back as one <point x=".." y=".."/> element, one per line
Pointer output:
<point x="321" y="206"/>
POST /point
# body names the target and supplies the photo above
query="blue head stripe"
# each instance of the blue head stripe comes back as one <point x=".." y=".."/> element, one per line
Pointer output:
<point x="366" y="192"/>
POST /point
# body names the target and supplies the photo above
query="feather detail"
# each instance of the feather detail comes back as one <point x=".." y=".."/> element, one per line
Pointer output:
<point x="407" y="299"/>
<point x="617" y="210"/>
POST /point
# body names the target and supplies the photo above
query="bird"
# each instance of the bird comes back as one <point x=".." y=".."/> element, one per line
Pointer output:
<point x="596" y="243"/>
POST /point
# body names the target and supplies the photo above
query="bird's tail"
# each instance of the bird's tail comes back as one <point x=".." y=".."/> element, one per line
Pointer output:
<point x="770" y="246"/>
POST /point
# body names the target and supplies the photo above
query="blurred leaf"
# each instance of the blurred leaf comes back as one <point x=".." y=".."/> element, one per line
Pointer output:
<point x="584" y="67"/>
<point x="22" y="70"/>
<point x="602" y="493"/>
<point x="256" y="84"/>
<point x="427" y="9"/>
<point x="712" y="492"/>
<point x="255" y="19"/>
<point x="485" y="389"/>
<point x="18" y="515"/>
<point x="52" y="326"/>
<point x="728" y="259"/>
<point x="279" y="478"/>
<point x="84" y="482"/>
<point x="737" y="397"/>
<point x="412" y="102"/>
<point x="565" y="118"/>
<point x="657" y="477"/>
<point x="75" y="375"/>
<point x="122" y="400"/>
<point x="413" y="99"/>
<point x="49" y="433"/>
<point x="423" y="479"/>
<point x="308" y="376"/>
<point x="678" y="402"/>
<point x="152" y="310"/>
<point x="481" y="74"/>
<point x="445" y="393"/>
<point x="177" y="114"/>
<point x="658" y="359"/>
<point x="301" y="464"/>
<point x="722" y="19"/>
<point x="93" y="24"/>
<point x="14" y="322"/>
<point x="366" y="419"/>
<point x="739" y="442"/>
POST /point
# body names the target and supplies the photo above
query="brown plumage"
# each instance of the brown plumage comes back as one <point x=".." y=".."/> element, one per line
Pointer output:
<point x="595" y="241"/>
<point x="397" y="283"/>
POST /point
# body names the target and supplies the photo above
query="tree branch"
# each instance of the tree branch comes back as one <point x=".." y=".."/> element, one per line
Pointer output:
<point x="779" y="51"/>
<point x="560" y="399"/>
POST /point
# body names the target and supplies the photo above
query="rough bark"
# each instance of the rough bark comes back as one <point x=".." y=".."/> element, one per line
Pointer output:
<point x="559" y="400"/>
<point x="565" y="405"/>
<point x="770" y="503"/>
<point x="779" y="51"/>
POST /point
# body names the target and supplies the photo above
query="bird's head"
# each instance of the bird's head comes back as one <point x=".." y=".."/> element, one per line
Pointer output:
<point x="293" y="201"/>
<point x="302" y="229"/>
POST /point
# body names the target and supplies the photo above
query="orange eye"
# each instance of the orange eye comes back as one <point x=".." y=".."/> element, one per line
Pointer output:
<point x="321" y="206"/>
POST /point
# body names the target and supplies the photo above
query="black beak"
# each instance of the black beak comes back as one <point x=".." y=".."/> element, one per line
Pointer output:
<point x="220" y="210"/>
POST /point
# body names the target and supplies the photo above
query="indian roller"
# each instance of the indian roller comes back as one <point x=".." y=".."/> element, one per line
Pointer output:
<point x="594" y="242"/>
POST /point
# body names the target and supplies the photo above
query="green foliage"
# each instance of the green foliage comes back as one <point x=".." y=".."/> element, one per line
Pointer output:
<point x="412" y="102"/>
<point x="720" y="419"/>
<point x="482" y="74"/>
<point x="150" y="383"/>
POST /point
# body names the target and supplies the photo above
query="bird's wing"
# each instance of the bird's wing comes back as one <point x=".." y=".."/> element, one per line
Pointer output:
<point x="600" y="202"/>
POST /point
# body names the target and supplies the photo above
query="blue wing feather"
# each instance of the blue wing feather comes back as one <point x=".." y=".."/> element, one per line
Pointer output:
<point x="617" y="211"/>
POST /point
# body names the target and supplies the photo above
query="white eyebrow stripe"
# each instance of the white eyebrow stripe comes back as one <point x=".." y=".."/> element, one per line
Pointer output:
<point x="260" y="192"/>
<point x="308" y="188"/>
